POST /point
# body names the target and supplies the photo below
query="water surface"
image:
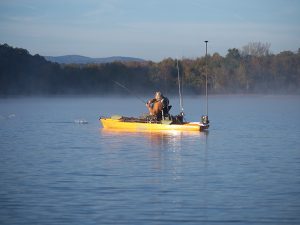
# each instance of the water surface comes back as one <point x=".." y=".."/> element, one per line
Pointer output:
<point x="57" y="169"/>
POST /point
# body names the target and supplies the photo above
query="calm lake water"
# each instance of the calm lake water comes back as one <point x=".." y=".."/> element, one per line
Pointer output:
<point x="56" y="170"/>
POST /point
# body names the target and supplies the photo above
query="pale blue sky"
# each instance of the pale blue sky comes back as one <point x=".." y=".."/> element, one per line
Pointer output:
<point x="148" y="29"/>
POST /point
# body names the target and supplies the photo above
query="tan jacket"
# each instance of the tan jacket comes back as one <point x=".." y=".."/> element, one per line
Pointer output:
<point x="155" y="107"/>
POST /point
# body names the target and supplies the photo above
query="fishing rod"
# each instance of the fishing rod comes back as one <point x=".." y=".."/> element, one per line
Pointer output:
<point x="129" y="91"/>
<point x="204" y="118"/>
<point x="206" y="78"/>
<point x="179" y="89"/>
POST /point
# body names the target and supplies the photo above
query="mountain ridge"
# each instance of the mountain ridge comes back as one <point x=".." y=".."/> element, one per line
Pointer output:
<point x="79" y="59"/>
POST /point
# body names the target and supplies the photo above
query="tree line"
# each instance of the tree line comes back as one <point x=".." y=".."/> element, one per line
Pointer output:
<point x="251" y="69"/>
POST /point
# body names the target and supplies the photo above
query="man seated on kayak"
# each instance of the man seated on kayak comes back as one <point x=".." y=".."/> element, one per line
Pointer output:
<point x="158" y="105"/>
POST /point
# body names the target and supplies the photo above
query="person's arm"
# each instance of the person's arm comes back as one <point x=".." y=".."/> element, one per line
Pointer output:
<point x="151" y="101"/>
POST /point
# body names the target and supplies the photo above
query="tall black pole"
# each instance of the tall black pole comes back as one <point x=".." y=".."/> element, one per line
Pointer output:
<point x="206" y="78"/>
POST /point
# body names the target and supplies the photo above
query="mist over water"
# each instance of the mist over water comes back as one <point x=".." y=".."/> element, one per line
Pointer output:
<point x="58" y="166"/>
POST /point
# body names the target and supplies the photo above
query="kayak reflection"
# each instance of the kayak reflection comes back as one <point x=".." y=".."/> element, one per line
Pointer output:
<point x="166" y="139"/>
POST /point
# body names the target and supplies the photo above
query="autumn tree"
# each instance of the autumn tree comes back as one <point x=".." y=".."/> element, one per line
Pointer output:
<point x="256" y="49"/>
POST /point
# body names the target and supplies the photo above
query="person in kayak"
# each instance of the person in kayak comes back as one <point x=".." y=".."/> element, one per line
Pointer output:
<point x="158" y="106"/>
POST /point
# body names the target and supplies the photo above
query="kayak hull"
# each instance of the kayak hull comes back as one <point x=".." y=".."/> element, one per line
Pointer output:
<point x="142" y="126"/>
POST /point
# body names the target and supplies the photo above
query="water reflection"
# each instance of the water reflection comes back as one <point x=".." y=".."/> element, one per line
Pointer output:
<point x="164" y="150"/>
<point x="171" y="140"/>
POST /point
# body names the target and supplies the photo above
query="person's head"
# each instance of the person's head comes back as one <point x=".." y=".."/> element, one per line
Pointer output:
<point x="158" y="95"/>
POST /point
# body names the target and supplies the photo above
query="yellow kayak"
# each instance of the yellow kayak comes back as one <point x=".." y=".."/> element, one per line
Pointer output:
<point x="140" y="125"/>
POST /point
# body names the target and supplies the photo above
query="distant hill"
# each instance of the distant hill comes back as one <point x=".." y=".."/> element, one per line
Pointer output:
<point x="78" y="59"/>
